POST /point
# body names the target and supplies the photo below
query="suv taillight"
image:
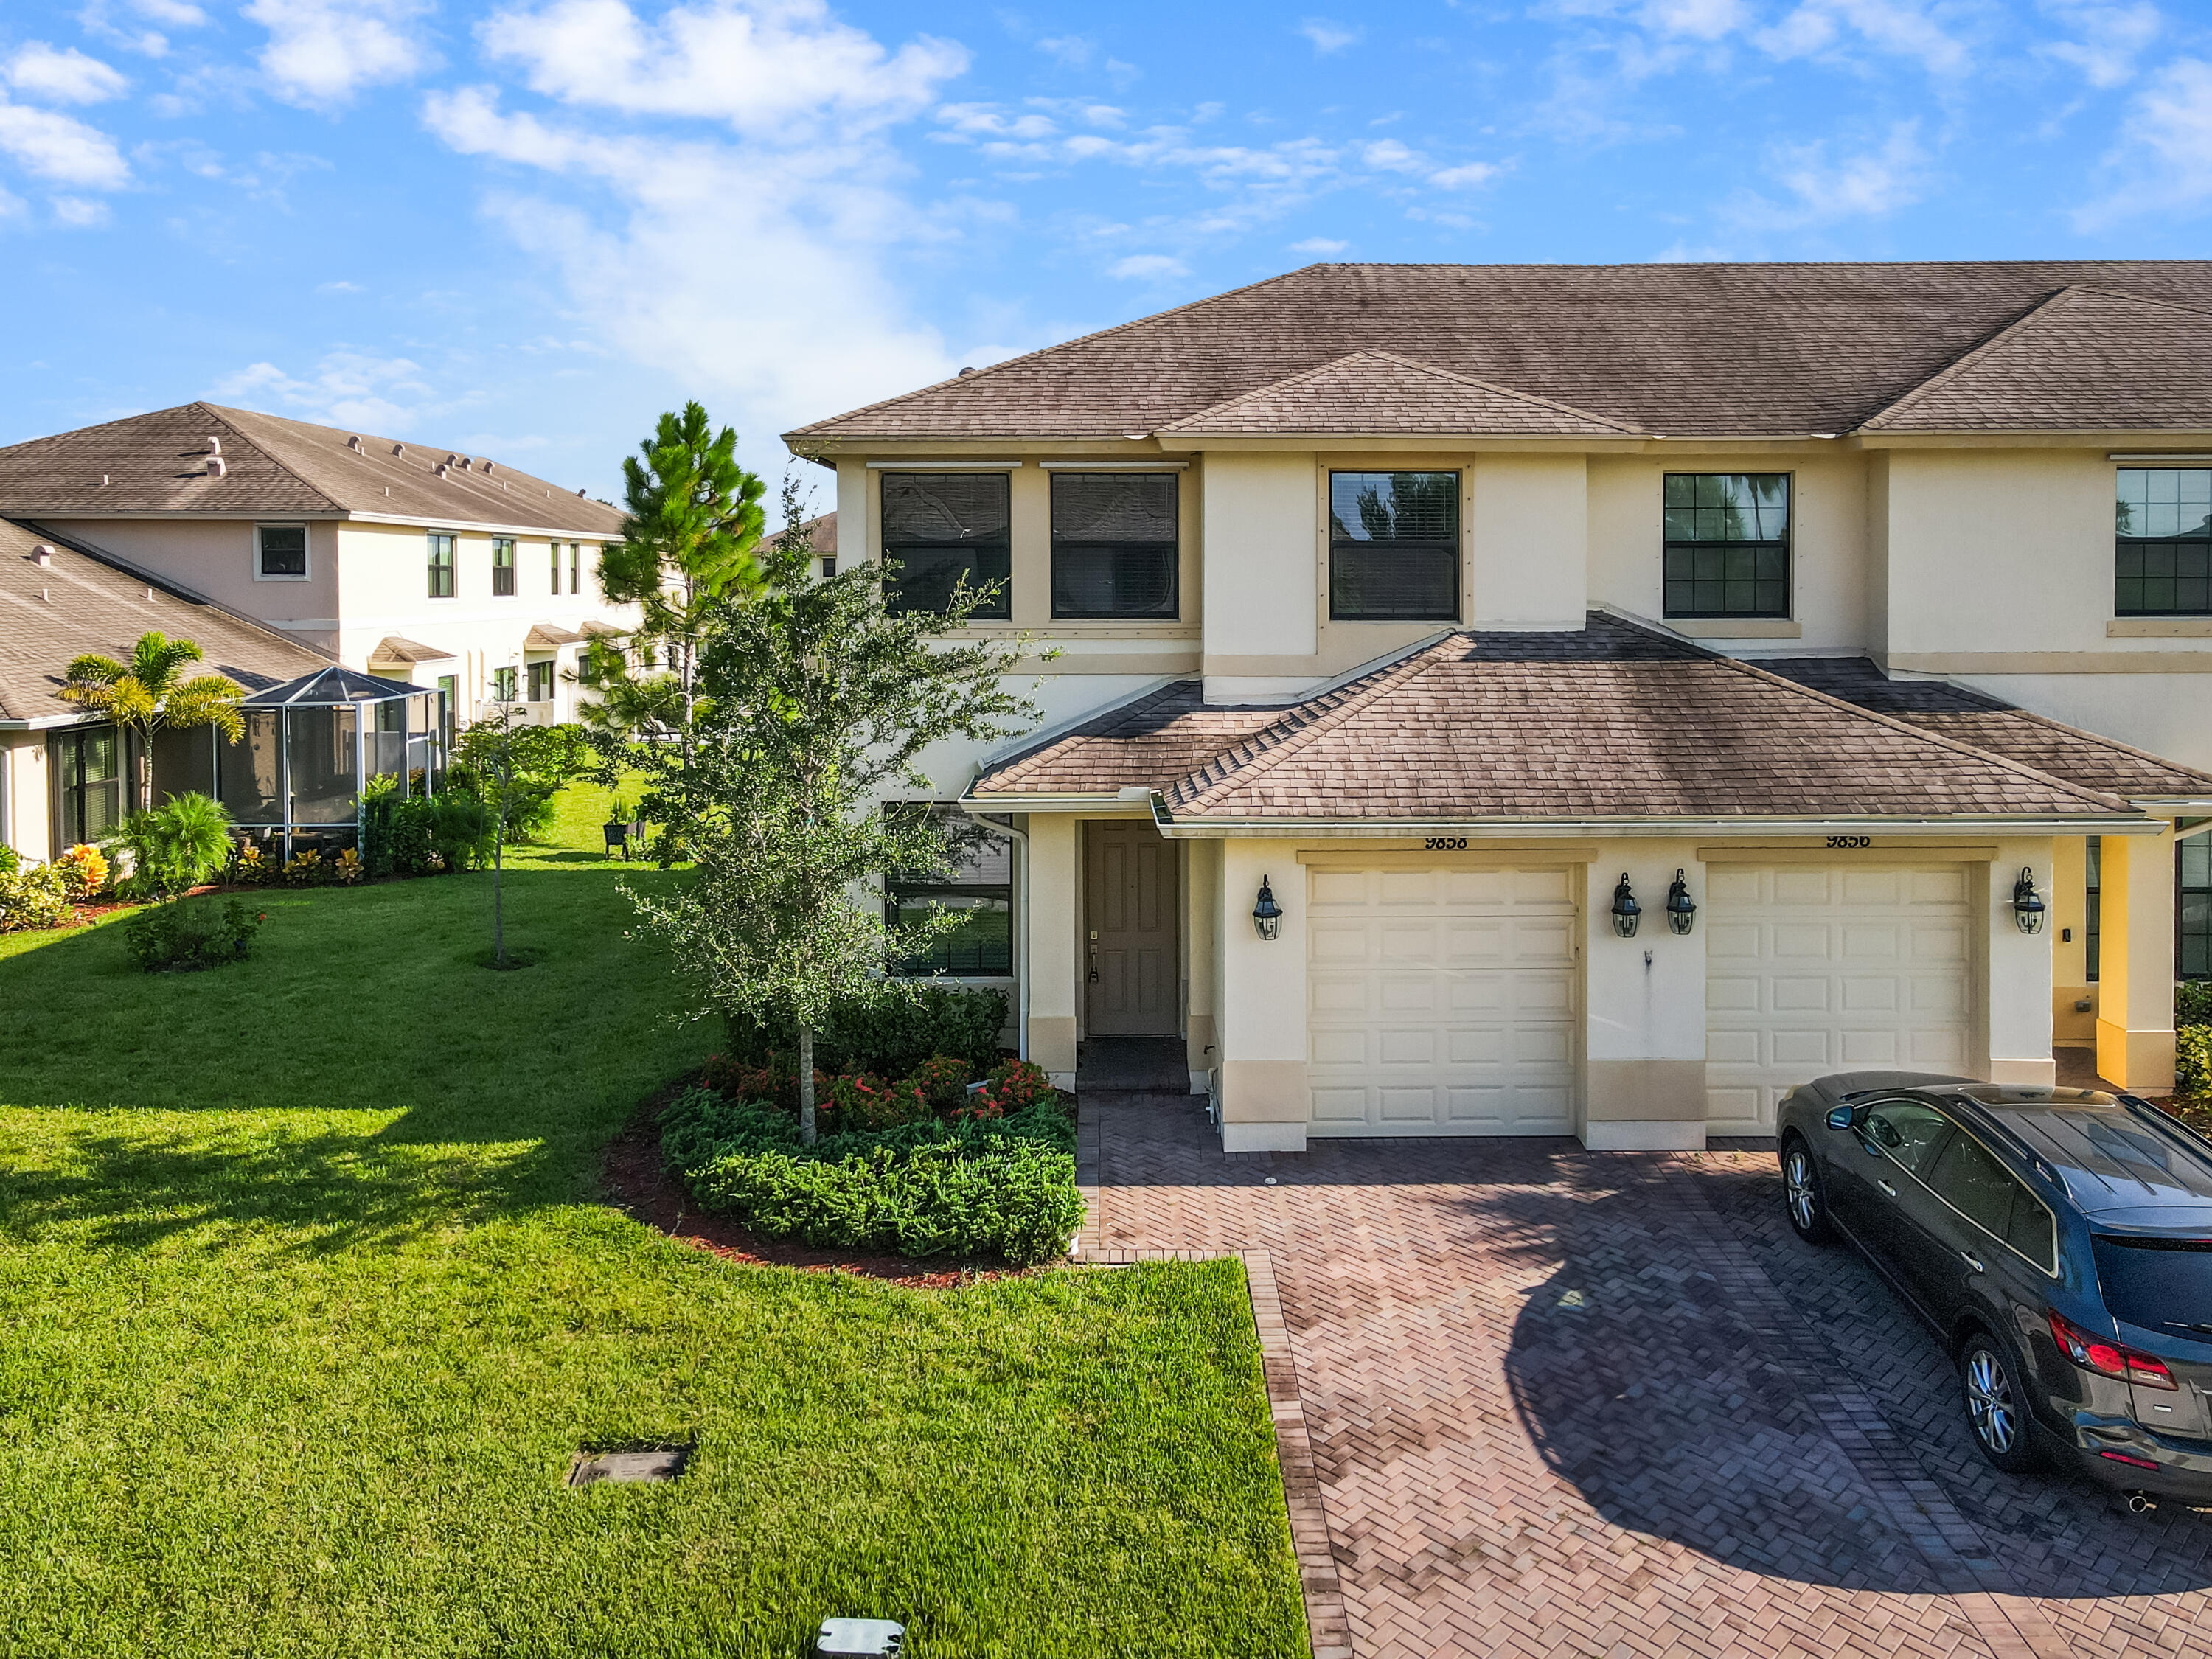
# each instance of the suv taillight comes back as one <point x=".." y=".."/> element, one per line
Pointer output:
<point x="2094" y="1353"/>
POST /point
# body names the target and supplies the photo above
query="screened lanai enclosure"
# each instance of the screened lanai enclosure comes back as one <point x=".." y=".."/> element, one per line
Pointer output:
<point x="312" y="751"/>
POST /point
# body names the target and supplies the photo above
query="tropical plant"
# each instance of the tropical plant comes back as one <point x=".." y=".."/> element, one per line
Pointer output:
<point x="817" y="703"/>
<point x="84" y="868"/>
<point x="175" y="846"/>
<point x="33" y="895"/>
<point x="153" y="691"/>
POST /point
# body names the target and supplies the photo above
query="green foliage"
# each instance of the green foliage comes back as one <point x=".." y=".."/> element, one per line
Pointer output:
<point x="33" y="896"/>
<point x="420" y="835"/>
<point x="2192" y="1002"/>
<point x="2192" y="1061"/>
<point x="943" y="1081"/>
<point x="521" y="767"/>
<point x="10" y="861"/>
<point x="183" y="935"/>
<point x="1004" y="1188"/>
<point x="175" y="846"/>
<point x="152" y="691"/>
<point x="891" y="1027"/>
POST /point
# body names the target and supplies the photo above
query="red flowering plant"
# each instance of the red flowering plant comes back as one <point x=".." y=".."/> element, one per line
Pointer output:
<point x="943" y="1081"/>
<point x="1013" y="1087"/>
<point x="861" y="1100"/>
<point x="738" y="1079"/>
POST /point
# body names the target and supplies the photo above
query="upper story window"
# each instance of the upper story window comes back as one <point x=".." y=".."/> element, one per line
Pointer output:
<point x="281" y="552"/>
<point x="945" y="528"/>
<point x="2163" y="565"/>
<point x="554" y="548"/>
<point x="441" y="567"/>
<point x="575" y="568"/>
<point x="1114" y="544"/>
<point x="1394" y="546"/>
<point x="1728" y="543"/>
<point x="503" y="564"/>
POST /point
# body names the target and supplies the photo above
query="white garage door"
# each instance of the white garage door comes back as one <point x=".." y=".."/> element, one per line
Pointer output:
<point x="1441" y="1001"/>
<point x="1810" y="970"/>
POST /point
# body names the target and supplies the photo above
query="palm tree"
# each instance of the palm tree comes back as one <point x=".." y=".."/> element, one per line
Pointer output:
<point x="150" y="692"/>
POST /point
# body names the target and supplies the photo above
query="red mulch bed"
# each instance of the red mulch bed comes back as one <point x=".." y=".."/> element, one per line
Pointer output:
<point x="643" y="1188"/>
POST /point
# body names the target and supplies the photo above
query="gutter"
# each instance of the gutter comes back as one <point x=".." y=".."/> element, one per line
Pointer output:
<point x="1978" y="827"/>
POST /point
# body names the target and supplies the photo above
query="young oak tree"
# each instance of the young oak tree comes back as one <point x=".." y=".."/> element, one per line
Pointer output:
<point x="817" y="705"/>
<point x="693" y="518"/>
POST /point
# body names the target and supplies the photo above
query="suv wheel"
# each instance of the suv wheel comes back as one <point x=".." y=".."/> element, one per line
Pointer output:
<point x="1802" y="1195"/>
<point x="1995" y="1404"/>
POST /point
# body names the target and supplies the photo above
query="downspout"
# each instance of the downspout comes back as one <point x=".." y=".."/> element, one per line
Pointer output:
<point x="1021" y="921"/>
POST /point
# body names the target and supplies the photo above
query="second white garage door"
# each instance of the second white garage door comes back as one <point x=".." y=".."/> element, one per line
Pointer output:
<point x="1441" y="1001"/>
<point x="1812" y="969"/>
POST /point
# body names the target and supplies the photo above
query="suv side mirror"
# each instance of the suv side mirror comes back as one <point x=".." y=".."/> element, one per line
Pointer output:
<point x="1841" y="1117"/>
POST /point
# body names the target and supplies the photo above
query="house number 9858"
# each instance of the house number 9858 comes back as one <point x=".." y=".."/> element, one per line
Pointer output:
<point x="1444" y="844"/>
<point x="1850" y="841"/>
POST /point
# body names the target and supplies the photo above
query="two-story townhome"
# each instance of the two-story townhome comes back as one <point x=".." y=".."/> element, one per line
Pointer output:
<point x="406" y="561"/>
<point x="1545" y="699"/>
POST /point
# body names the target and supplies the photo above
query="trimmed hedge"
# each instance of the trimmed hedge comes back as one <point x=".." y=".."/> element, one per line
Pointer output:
<point x="2192" y="1002"/>
<point x="886" y="1031"/>
<point x="1002" y="1188"/>
<point x="2192" y="1061"/>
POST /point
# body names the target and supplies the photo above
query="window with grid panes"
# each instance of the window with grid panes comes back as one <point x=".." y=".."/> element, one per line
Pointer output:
<point x="503" y="564"/>
<point x="2162" y="563"/>
<point x="1727" y="540"/>
<point x="1394" y="546"/>
<point x="441" y="567"/>
<point x="2192" y="931"/>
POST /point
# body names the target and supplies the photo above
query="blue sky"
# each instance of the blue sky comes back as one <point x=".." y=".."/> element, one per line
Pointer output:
<point x="524" y="229"/>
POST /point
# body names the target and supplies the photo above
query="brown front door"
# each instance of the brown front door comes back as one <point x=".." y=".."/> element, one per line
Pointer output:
<point x="1133" y="955"/>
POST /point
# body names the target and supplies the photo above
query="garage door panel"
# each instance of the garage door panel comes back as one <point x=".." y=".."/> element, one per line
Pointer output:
<point x="1442" y="1001"/>
<point x="1812" y="970"/>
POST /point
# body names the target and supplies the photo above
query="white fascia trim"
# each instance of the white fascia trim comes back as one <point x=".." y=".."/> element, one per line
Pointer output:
<point x="328" y="515"/>
<point x="1133" y="795"/>
<point x="1138" y="465"/>
<point x="48" y="722"/>
<point x="1975" y="829"/>
<point x="944" y="466"/>
<point x="425" y="523"/>
<point x="2173" y="803"/>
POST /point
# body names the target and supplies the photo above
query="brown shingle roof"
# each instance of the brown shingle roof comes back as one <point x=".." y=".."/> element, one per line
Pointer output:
<point x="157" y="463"/>
<point x="1998" y="728"/>
<point x="397" y="647"/>
<point x="1682" y="350"/>
<point x="1379" y="391"/>
<point x="51" y="613"/>
<point x="1614" y="721"/>
<point x="2084" y="359"/>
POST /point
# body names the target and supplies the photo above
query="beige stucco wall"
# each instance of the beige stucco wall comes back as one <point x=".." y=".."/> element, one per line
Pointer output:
<point x="216" y="557"/>
<point x="26" y="815"/>
<point x="1644" y="1006"/>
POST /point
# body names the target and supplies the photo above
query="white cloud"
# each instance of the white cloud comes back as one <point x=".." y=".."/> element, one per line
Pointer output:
<point x="1704" y="19"/>
<point x="1318" y="245"/>
<point x="346" y="388"/>
<point x="340" y="288"/>
<point x="62" y="77"/>
<point x="80" y="212"/>
<point x="322" y="52"/>
<point x="1327" y="37"/>
<point x="1870" y="184"/>
<point x="2111" y="38"/>
<point x="176" y="14"/>
<point x="100" y="18"/>
<point x="1467" y="176"/>
<point x="1072" y="50"/>
<point x="1903" y="28"/>
<point x="766" y="67"/>
<point x="1147" y="267"/>
<point x="2165" y="150"/>
<point x="1389" y="155"/>
<point x="49" y="145"/>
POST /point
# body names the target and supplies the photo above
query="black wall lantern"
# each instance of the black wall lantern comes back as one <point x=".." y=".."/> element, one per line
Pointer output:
<point x="1266" y="914"/>
<point x="2028" y="906"/>
<point x="1626" y="912"/>
<point x="1682" y="912"/>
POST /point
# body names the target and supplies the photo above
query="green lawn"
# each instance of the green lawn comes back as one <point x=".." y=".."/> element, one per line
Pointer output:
<point x="306" y="1301"/>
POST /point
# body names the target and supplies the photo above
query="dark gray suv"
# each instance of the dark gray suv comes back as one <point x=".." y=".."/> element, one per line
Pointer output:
<point x="2060" y="1241"/>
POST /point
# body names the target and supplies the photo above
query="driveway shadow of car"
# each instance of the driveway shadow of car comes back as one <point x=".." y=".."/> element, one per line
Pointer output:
<point x="1679" y="1409"/>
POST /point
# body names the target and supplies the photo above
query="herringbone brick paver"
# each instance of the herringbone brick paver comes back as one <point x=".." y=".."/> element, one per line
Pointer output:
<point x="1561" y="1403"/>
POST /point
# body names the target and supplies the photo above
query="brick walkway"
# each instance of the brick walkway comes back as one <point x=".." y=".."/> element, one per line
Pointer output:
<point x="1564" y="1403"/>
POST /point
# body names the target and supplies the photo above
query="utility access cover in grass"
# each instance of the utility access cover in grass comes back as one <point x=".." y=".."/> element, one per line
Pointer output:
<point x="661" y="1463"/>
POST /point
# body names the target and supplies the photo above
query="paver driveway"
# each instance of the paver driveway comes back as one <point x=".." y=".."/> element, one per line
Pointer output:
<point x="1563" y="1402"/>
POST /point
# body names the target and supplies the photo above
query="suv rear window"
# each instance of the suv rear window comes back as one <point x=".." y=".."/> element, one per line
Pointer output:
<point x="2159" y="1283"/>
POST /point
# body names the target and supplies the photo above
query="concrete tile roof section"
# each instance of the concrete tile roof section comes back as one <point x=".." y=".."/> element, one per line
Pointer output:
<point x="1998" y="728"/>
<point x="74" y="604"/>
<point x="2085" y="359"/>
<point x="1379" y="392"/>
<point x="1613" y="722"/>
<point x="395" y="647"/>
<point x="1685" y="350"/>
<point x="158" y="463"/>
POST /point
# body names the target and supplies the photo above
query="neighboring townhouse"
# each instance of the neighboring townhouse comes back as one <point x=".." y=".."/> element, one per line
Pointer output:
<point x="65" y="770"/>
<point x="407" y="561"/>
<point x="1549" y="698"/>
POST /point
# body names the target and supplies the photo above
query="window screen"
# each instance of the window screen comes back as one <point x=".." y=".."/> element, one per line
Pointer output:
<point x="1394" y="546"/>
<point x="441" y="567"/>
<point x="942" y="529"/>
<point x="283" y="549"/>
<point x="2163" y="564"/>
<point x="1727" y="543"/>
<point x="503" y="564"/>
<point x="979" y="890"/>
<point x="1114" y="544"/>
<point x="555" y="549"/>
<point x="575" y="568"/>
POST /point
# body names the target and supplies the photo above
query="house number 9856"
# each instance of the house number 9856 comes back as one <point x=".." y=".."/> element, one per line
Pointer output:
<point x="1850" y="841"/>
<point x="1444" y="844"/>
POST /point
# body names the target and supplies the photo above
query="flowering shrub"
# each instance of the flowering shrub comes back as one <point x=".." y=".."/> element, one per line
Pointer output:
<point x="1014" y="1087"/>
<point x="943" y="1081"/>
<point x="738" y="1079"/>
<point x="84" y="868"/>
<point x="863" y="1100"/>
<point x="36" y="895"/>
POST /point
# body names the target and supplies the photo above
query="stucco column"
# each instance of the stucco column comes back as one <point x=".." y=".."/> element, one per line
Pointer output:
<point x="1054" y="908"/>
<point x="1644" y="1035"/>
<point x="2020" y="970"/>
<point x="1201" y="933"/>
<point x="1264" y="1101"/>
<point x="2134" y="990"/>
